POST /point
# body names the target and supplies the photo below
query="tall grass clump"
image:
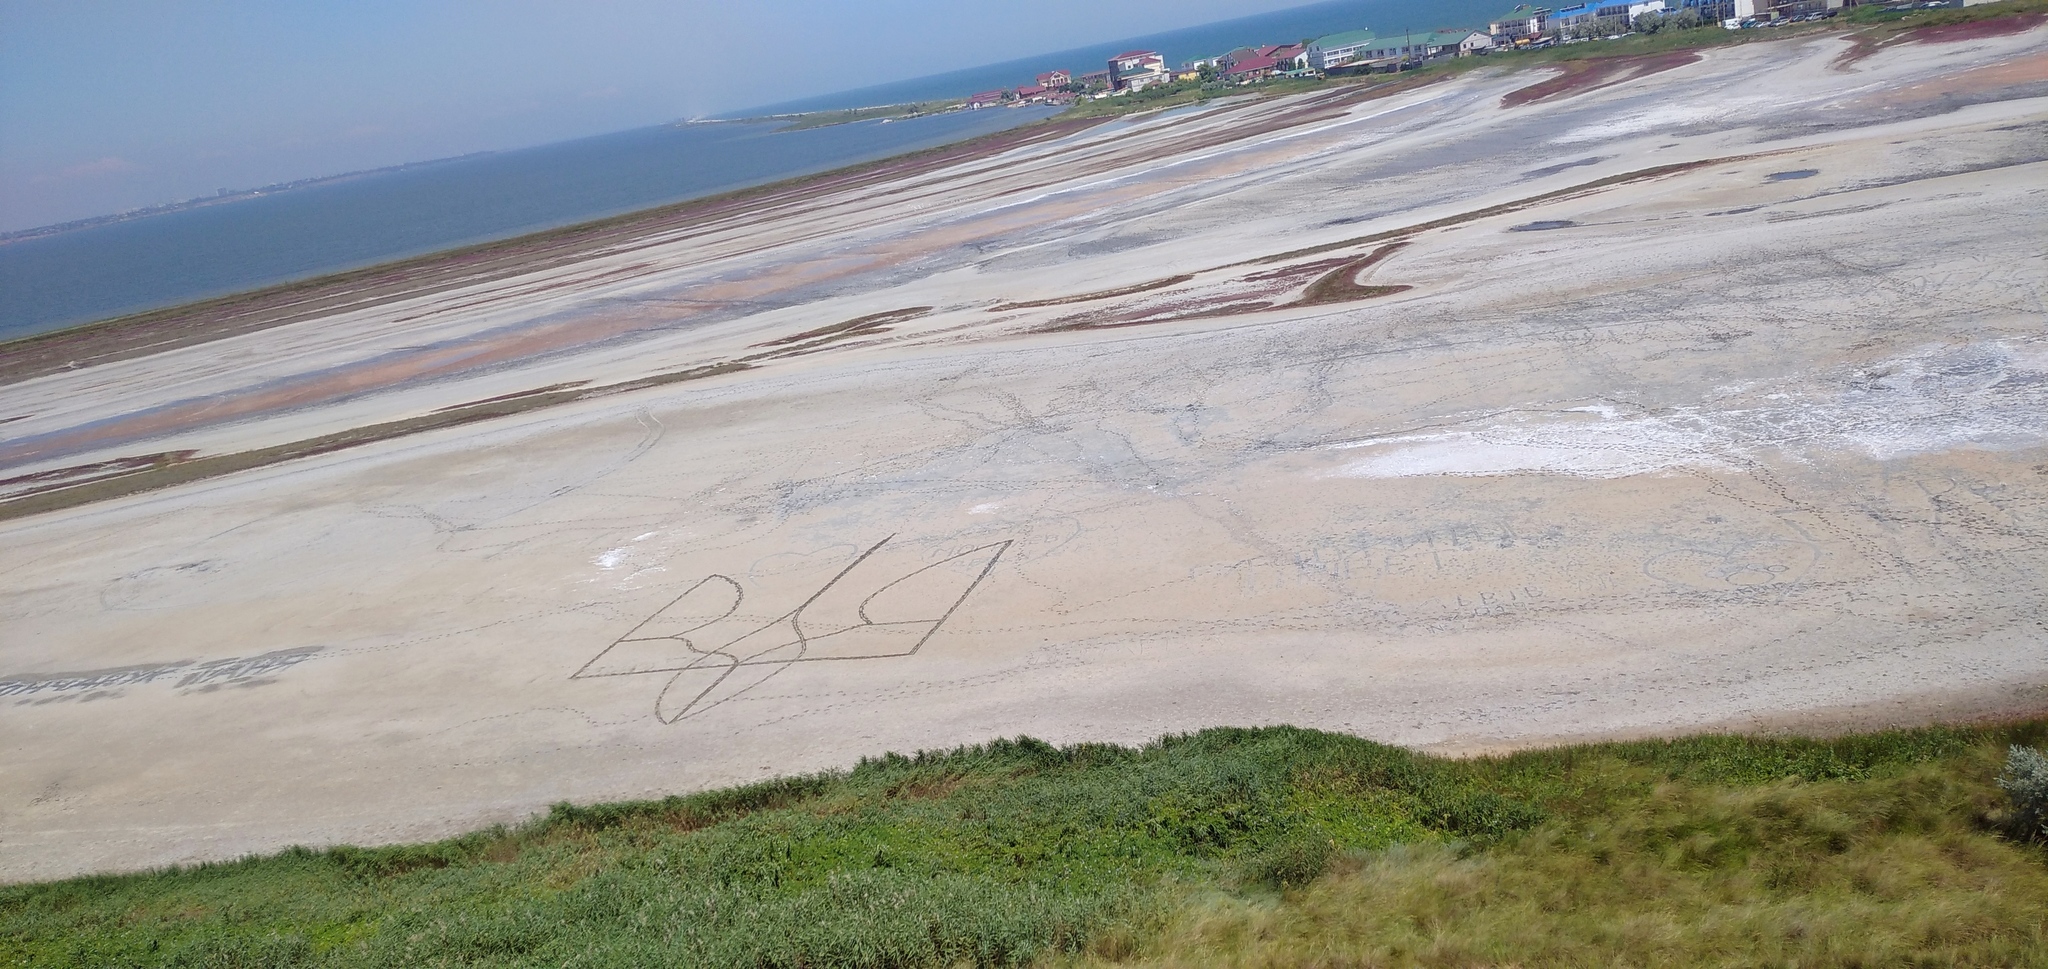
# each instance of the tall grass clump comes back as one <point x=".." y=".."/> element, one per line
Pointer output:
<point x="1711" y="851"/>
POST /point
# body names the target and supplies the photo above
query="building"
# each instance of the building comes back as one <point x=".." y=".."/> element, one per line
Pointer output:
<point x="988" y="99"/>
<point x="1031" y="92"/>
<point x="1339" y="51"/>
<point x="1137" y="70"/>
<point x="1250" y="68"/>
<point x="1588" y="13"/>
<point x="1369" y="53"/>
<point x="1781" y="9"/>
<point x="1523" y="21"/>
<point x="1291" y="57"/>
<point x="1055" y="79"/>
<point x="1477" y="41"/>
<point x="1095" y="80"/>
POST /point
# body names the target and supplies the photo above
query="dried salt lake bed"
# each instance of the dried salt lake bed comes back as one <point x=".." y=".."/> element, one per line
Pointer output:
<point x="1253" y="413"/>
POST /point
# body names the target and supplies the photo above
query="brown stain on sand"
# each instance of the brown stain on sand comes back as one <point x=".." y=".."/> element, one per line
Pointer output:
<point x="1594" y="73"/>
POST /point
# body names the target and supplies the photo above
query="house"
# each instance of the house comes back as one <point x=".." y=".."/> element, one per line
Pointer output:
<point x="1250" y="68"/>
<point x="1338" y="51"/>
<point x="988" y="99"/>
<point x="1291" y="57"/>
<point x="1055" y="79"/>
<point x="1137" y="70"/>
<point x="1392" y="53"/>
<point x="1523" y="21"/>
<point x="1095" y="80"/>
<point x="1450" y="43"/>
<point x="1031" y="92"/>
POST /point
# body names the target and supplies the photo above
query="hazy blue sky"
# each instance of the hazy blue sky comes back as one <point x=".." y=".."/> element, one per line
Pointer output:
<point x="106" y="106"/>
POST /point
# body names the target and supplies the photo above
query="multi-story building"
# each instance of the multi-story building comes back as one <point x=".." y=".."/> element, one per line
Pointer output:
<point x="1523" y="21"/>
<point x="1339" y="51"/>
<point x="1137" y="70"/>
<point x="1361" y="50"/>
<point x="1590" y="12"/>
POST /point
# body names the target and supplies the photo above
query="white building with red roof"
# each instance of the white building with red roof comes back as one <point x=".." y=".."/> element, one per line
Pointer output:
<point x="1137" y="70"/>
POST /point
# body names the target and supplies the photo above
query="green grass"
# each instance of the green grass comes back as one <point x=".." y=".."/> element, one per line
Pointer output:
<point x="1255" y="847"/>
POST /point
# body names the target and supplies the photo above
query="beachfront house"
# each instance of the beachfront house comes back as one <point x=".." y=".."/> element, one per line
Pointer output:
<point x="1290" y="57"/>
<point x="1095" y="80"/>
<point x="1339" y="51"/>
<point x="1449" y="43"/>
<point x="988" y="99"/>
<point x="1054" y="80"/>
<point x="1250" y="67"/>
<point x="1137" y="70"/>
<point x="1370" y="53"/>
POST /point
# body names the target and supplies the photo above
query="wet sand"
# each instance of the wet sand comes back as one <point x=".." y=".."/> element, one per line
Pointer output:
<point x="1438" y="416"/>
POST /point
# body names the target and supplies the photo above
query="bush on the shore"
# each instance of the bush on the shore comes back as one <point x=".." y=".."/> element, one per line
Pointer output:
<point x="2025" y="781"/>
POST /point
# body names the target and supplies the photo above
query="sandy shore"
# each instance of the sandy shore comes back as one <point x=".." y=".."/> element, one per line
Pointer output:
<point x="1677" y="395"/>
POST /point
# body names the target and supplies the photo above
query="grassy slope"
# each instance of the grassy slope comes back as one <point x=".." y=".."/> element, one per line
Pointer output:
<point x="1255" y="847"/>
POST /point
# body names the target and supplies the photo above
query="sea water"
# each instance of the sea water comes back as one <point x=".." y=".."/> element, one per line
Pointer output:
<point x="106" y="270"/>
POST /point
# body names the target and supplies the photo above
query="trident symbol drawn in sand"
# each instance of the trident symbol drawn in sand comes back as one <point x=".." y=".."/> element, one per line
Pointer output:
<point x="712" y="654"/>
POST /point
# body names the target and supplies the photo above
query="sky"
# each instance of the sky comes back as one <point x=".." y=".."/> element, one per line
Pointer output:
<point x="107" y="106"/>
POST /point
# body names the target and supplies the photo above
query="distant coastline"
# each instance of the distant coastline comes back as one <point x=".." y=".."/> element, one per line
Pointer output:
<point x="224" y="195"/>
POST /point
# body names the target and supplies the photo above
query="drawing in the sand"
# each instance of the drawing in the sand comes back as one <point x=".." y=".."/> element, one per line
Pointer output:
<point x="713" y="653"/>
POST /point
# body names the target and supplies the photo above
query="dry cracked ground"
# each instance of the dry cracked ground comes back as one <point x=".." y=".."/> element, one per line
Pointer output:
<point x="1691" y="393"/>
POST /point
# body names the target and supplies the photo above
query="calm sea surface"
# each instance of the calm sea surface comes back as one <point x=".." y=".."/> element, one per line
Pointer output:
<point x="163" y="260"/>
<point x="177" y="257"/>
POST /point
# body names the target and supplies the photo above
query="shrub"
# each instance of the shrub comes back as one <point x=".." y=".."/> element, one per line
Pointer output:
<point x="1291" y="861"/>
<point x="2025" y="780"/>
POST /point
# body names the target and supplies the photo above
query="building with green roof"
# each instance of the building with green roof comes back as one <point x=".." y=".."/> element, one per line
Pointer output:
<point x="1340" y="50"/>
<point x="1363" y="49"/>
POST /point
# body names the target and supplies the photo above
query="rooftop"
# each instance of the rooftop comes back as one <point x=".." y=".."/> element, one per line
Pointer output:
<point x="1246" y="65"/>
<point x="1349" y="38"/>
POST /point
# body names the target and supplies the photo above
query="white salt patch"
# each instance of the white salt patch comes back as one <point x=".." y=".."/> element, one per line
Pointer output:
<point x="1989" y="396"/>
<point x="610" y="560"/>
<point x="1530" y="444"/>
<point x="985" y="507"/>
